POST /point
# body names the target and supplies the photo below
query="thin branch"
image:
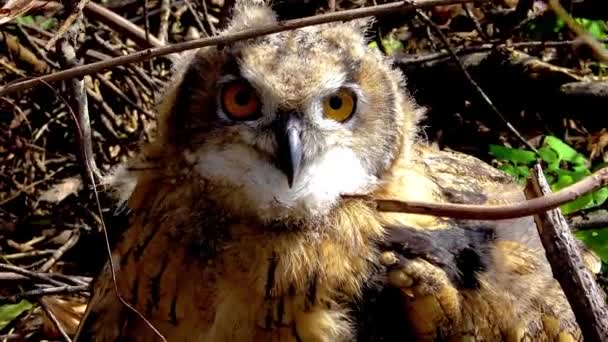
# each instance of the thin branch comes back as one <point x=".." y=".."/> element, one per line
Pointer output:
<point x="29" y="254"/>
<point x="482" y="94"/>
<point x="380" y="10"/>
<point x="121" y="25"/>
<point x="196" y="17"/>
<point x="599" y="50"/>
<point x="67" y="46"/>
<point x="33" y="275"/>
<point x="60" y="251"/>
<point x="432" y="56"/>
<point x="47" y="291"/>
<point x="165" y="12"/>
<point x="495" y="212"/>
<point x="76" y="11"/>
<point x="584" y="295"/>
<point x="208" y="18"/>
<point x="54" y="319"/>
<point x="596" y="219"/>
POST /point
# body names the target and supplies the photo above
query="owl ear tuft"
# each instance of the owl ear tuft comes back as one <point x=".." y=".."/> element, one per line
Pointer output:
<point x="247" y="14"/>
<point x="362" y="25"/>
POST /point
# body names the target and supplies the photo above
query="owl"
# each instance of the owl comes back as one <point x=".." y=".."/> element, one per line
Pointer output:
<point x="240" y="229"/>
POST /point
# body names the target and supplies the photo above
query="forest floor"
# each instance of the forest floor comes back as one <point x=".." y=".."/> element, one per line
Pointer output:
<point x="535" y="72"/>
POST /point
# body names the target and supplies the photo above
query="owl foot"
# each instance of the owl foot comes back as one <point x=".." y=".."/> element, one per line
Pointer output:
<point x="415" y="277"/>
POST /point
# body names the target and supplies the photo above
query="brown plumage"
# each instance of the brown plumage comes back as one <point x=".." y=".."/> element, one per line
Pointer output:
<point x="238" y="231"/>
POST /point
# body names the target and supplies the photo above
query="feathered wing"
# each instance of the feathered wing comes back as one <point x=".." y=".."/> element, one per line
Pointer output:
<point x="150" y="263"/>
<point x="470" y="279"/>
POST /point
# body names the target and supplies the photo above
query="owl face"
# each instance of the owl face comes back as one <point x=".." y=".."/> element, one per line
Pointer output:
<point x="291" y="121"/>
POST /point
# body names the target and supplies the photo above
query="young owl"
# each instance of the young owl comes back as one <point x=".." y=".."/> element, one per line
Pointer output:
<point x="239" y="231"/>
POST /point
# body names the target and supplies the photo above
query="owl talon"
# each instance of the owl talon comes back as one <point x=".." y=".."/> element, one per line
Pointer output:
<point x="417" y="277"/>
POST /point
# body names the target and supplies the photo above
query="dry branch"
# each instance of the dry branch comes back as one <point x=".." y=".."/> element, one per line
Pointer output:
<point x="379" y="10"/>
<point x="495" y="212"/>
<point x="76" y="11"/>
<point x="33" y="275"/>
<point x="59" y="252"/>
<point x="121" y="25"/>
<point x="585" y="297"/>
<point x="593" y="43"/>
<point x="163" y="30"/>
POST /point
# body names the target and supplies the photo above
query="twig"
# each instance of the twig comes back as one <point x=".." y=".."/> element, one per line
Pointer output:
<point x="54" y="319"/>
<point x="586" y="298"/>
<point x="266" y="29"/>
<point x="432" y="56"/>
<point x="585" y="36"/>
<point x="123" y="96"/>
<point x="76" y="280"/>
<point x="34" y="275"/>
<point x="147" y="33"/>
<point x="195" y="16"/>
<point x="163" y="29"/>
<point x="476" y="23"/>
<point x="76" y="11"/>
<point x="121" y="25"/>
<point x="60" y="251"/>
<point x="46" y="291"/>
<point x="67" y="46"/>
<point x="38" y="50"/>
<point x="593" y="220"/>
<point x="30" y="254"/>
<point x="208" y="18"/>
<point x="476" y="86"/>
<point x="495" y="212"/>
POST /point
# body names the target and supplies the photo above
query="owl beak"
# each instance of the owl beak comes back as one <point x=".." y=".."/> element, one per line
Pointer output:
<point x="288" y="133"/>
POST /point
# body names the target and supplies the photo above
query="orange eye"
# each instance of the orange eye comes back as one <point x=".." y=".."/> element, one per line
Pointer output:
<point x="240" y="101"/>
<point x="340" y="106"/>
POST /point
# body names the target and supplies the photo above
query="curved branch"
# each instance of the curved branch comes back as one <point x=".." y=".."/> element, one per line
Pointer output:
<point x="287" y="25"/>
<point x="494" y="212"/>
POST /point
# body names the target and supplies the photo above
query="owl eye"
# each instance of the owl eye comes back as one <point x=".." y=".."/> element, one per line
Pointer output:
<point x="240" y="101"/>
<point x="340" y="105"/>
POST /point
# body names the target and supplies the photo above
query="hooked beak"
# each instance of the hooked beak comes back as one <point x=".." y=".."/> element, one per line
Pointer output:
<point x="288" y="131"/>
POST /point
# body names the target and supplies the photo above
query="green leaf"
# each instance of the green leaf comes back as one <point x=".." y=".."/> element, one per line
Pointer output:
<point x="509" y="169"/>
<point x="523" y="171"/>
<point x="553" y="166"/>
<point x="563" y="150"/>
<point x="563" y="180"/>
<point x="49" y="23"/>
<point x="512" y="154"/>
<point x="391" y="44"/>
<point x="26" y="19"/>
<point x="548" y="155"/>
<point x="8" y="312"/>
<point x="596" y="240"/>
<point x="596" y="29"/>
<point x="580" y="168"/>
<point x="578" y="204"/>
<point x="600" y="196"/>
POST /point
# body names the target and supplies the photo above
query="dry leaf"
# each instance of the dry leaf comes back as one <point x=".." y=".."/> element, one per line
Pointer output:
<point x="14" y="8"/>
<point x="60" y="191"/>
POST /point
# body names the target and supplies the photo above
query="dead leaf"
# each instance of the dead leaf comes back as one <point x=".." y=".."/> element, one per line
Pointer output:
<point x="60" y="191"/>
<point x="14" y="8"/>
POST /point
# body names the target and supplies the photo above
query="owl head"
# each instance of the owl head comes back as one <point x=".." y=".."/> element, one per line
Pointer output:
<point x="284" y="124"/>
